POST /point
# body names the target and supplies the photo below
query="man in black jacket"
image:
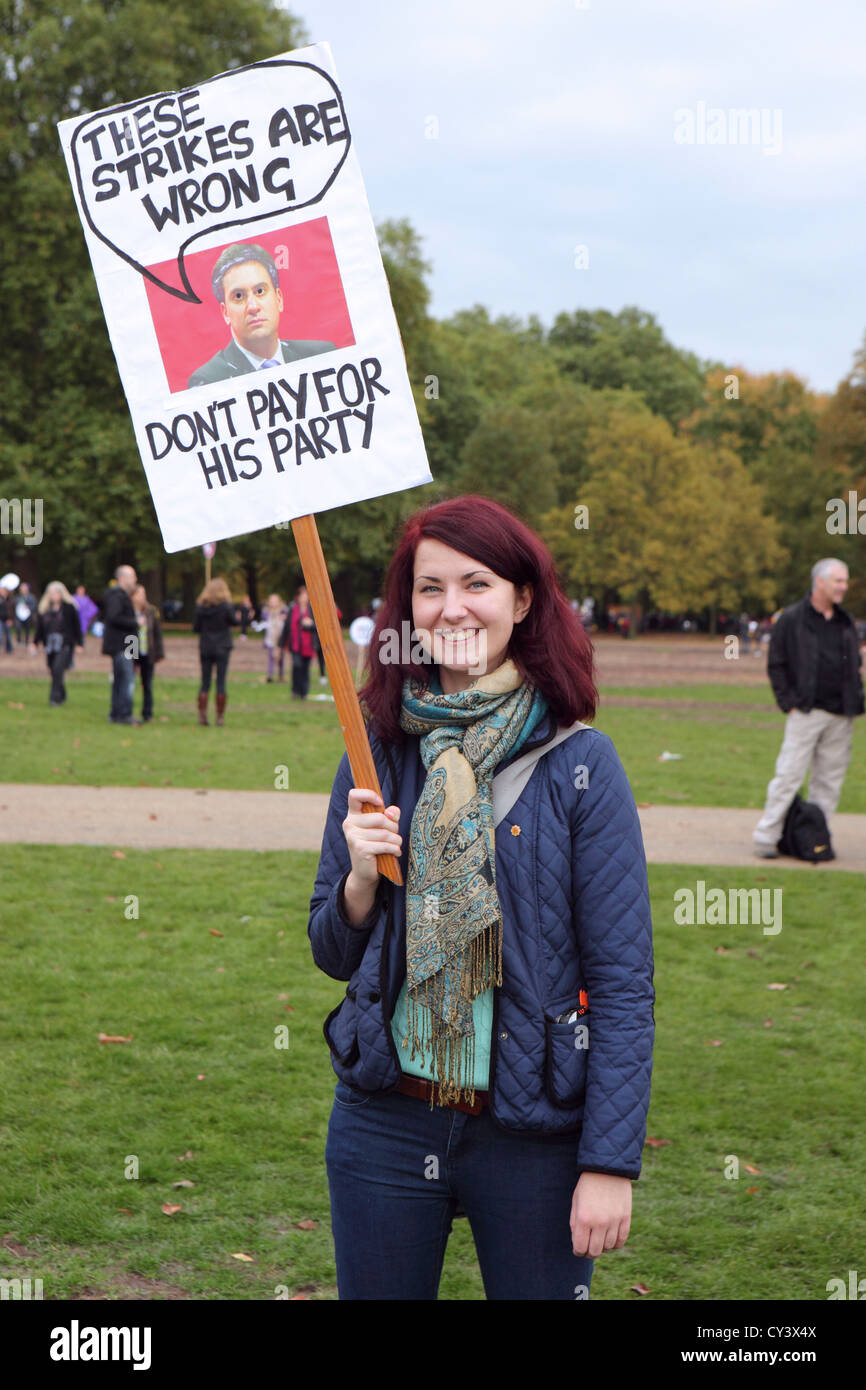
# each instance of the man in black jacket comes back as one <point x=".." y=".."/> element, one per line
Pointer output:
<point x="814" y="669"/>
<point x="121" y="625"/>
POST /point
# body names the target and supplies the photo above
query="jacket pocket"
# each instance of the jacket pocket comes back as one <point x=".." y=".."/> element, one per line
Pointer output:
<point x="341" y="1031"/>
<point x="566" y="1048"/>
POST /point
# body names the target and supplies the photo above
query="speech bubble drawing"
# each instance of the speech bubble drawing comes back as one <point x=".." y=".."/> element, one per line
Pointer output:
<point x="157" y="174"/>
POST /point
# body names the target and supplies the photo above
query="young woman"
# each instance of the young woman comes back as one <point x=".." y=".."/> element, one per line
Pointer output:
<point x="58" y="629"/>
<point x="493" y="1050"/>
<point x="274" y="618"/>
<point x="215" y="616"/>
<point x="297" y="637"/>
<point x="150" y="648"/>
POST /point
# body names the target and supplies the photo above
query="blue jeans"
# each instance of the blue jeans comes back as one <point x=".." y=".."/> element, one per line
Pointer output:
<point x="396" y="1172"/>
<point x="122" y="687"/>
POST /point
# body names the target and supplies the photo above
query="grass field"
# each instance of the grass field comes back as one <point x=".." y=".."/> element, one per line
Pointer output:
<point x="728" y="738"/>
<point x="770" y="1077"/>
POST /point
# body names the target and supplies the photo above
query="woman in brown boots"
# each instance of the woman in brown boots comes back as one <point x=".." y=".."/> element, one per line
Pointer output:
<point x="215" y="616"/>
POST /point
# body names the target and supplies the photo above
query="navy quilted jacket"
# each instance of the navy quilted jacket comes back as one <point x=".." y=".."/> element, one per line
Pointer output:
<point x="572" y="886"/>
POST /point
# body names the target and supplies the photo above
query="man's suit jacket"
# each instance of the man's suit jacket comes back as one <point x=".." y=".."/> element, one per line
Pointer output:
<point x="232" y="362"/>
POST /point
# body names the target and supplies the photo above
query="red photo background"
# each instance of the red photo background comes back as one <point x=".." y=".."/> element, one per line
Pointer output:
<point x="314" y="305"/>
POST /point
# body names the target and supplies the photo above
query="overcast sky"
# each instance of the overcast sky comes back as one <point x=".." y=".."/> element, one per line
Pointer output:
<point x="606" y="125"/>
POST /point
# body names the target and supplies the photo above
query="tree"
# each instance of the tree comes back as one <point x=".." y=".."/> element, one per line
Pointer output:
<point x="629" y="349"/>
<point x="667" y="524"/>
<point x="771" y="421"/>
<point x="841" y="453"/>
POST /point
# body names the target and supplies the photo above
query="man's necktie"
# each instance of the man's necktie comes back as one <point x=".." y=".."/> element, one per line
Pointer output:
<point x="271" y="362"/>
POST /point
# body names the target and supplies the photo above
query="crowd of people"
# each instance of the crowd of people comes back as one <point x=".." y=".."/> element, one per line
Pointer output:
<point x="130" y="630"/>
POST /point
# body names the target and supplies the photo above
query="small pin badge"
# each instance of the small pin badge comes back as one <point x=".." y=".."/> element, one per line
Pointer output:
<point x="515" y="829"/>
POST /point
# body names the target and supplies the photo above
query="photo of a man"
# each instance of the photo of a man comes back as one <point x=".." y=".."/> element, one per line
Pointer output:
<point x="246" y="285"/>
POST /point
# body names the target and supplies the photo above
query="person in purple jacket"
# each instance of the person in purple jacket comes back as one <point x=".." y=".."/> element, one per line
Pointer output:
<point x="494" y="1047"/>
<point x="87" y="610"/>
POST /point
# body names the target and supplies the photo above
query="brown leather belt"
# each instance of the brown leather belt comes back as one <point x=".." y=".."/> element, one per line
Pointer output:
<point x="423" y="1090"/>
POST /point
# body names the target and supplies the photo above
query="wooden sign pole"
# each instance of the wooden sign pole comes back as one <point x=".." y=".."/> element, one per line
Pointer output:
<point x="318" y="584"/>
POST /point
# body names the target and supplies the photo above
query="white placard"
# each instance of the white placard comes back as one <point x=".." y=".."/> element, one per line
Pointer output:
<point x="228" y="226"/>
<point x="361" y="631"/>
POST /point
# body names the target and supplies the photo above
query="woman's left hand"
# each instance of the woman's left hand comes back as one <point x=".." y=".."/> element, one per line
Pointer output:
<point x="600" y="1214"/>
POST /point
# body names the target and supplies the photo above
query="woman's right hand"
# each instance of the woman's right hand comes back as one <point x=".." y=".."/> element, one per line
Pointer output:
<point x="369" y="834"/>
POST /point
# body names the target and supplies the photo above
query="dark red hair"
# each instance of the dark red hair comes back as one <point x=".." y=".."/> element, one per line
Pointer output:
<point x="549" y="647"/>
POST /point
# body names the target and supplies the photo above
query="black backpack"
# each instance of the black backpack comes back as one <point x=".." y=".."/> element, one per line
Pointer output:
<point x="805" y="834"/>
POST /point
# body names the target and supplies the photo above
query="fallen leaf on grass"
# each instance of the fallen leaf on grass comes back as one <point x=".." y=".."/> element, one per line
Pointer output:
<point x="189" y="1154"/>
<point x="184" y="1182"/>
<point x="125" y="1211"/>
<point x="118" y="854"/>
<point x="213" y="931"/>
<point x="722" y="951"/>
<point x="714" y="1042"/>
<point x="753" y="1189"/>
<point x="171" y="1208"/>
<point x="306" y="1225"/>
<point x="13" y="704"/>
<point x="777" y="986"/>
<point x="288" y="1008"/>
<point x="158" y="865"/>
<point x="284" y="996"/>
<point x="657" y="1143"/>
<point x="113" y="1037"/>
<point x="638" y="1288"/>
<point x="768" y="1023"/>
<point x="110" y="900"/>
<point x="295" y="1296"/>
<point x="754" y="954"/>
<point x="247" y="1259"/>
<point x="751" y="1169"/>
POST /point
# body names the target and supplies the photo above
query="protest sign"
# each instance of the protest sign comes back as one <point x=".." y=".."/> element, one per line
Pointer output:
<point x="247" y="305"/>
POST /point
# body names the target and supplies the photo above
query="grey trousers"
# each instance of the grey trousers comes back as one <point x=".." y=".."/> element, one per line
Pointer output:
<point x="818" y="741"/>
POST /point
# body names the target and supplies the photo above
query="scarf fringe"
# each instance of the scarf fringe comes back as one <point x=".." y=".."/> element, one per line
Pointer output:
<point x="479" y="967"/>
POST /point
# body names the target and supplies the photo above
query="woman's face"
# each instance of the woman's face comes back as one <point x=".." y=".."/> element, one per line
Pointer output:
<point x="463" y="613"/>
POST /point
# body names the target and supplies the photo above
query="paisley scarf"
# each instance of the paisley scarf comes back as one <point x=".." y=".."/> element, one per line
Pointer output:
<point x="453" y="917"/>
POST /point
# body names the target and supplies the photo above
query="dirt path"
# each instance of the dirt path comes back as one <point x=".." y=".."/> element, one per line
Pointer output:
<point x="181" y="818"/>
<point x="649" y="660"/>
